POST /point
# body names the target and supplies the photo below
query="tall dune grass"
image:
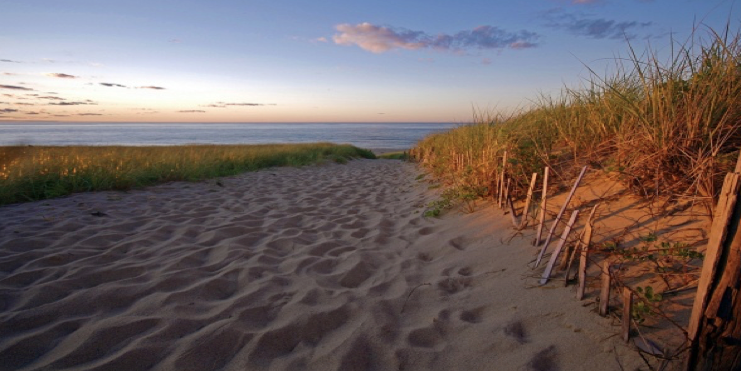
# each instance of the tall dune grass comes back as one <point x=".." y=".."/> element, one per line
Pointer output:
<point x="670" y="127"/>
<point x="30" y="173"/>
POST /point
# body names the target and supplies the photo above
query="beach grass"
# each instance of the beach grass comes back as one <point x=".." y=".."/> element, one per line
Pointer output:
<point x="399" y="155"/>
<point x="670" y="126"/>
<point x="29" y="173"/>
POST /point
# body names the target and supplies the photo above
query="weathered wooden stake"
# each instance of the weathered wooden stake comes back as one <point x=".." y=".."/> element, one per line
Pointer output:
<point x="627" y="309"/>
<point x="583" y="259"/>
<point x="526" y="211"/>
<point x="580" y="242"/>
<point x="604" y="295"/>
<point x="558" y="217"/>
<point x="511" y="208"/>
<point x="574" y="252"/>
<point x="501" y="180"/>
<point x="554" y="255"/>
<point x="543" y="199"/>
<point x="506" y="192"/>
<point x="715" y="323"/>
<point x="718" y="231"/>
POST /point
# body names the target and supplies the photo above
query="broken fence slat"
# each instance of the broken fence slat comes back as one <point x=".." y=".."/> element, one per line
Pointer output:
<point x="557" y="251"/>
<point x="558" y="217"/>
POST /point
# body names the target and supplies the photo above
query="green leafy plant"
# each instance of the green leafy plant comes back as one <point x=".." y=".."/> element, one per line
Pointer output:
<point x="644" y="306"/>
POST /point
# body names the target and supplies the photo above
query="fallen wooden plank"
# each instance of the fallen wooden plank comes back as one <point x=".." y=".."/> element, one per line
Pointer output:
<point x="554" y="255"/>
<point x="558" y="217"/>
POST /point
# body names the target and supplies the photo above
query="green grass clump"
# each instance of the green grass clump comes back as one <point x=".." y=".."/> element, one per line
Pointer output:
<point x="29" y="173"/>
<point x="670" y="127"/>
<point x="401" y="155"/>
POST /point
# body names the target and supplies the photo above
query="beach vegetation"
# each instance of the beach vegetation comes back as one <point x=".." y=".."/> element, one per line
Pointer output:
<point x="29" y="173"/>
<point x="670" y="126"/>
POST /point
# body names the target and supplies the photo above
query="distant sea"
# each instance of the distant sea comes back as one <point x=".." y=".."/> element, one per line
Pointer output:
<point x="364" y="135"/>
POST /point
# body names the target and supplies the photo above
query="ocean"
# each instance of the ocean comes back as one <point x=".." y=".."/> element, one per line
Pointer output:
<point x="365" y="135"/>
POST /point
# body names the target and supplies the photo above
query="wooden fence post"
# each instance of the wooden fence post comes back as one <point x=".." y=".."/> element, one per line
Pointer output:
<point x="604" y="295"/>
<point x="526" y="211"/>
<point x="715" y="323"/>
<point x="627" y="311"/>
<point x="543" y="198"/>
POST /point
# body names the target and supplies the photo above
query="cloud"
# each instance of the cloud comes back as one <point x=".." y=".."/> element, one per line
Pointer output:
<point x="597" y="28"/>
<point x="224" y="105"/>
<point x="378" y="39"/>
<point x="10" y="74"/>
<point x="151" y="87"/>
<point x="110" y="84"/>
<point x="85" y="103"/>
<point x="49" y="97"/>
<point x="13" y="87"/>
<point x="192" y="111"/>
<point x="8" y="61"/>
<point x="61" y="75"/>
<point x="8" y="110"/>
<point x="89" y="114"/>
<point x="250" y="104"/>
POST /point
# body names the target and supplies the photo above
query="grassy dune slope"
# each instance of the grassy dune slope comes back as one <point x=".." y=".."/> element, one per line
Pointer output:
<point x="670" y="128"/>
<point x="34" y="173"/>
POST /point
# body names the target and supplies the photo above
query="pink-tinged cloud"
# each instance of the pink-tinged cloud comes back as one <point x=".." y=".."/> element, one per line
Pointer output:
<point x="192" y="111"/>
<point x="61" y="75"/>
<point x="378" y="39"/>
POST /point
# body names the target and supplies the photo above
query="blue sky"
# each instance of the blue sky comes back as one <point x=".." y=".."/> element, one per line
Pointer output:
<point x="318" y="61"/>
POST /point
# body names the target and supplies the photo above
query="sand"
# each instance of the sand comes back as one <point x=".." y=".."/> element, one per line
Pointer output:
<point x="329" y="267"/>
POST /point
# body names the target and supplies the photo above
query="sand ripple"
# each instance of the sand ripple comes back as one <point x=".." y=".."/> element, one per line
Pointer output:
<point x="318" y="268"/>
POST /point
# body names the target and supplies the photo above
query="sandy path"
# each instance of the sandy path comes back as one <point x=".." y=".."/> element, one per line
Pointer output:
<point x="318" y="268"/>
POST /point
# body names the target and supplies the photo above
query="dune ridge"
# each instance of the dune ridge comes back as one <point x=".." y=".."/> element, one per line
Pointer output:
<point x="328" y="267"/>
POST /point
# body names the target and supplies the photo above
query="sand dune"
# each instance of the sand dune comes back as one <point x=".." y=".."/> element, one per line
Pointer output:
<point x="318" y="268"/>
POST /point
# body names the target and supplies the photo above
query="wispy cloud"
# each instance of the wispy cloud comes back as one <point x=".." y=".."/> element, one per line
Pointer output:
<point x="8" y="110"/>
<point x="49" y="97"/>
<point x="85" y="103"/>
<point x="9" y="61"/>
<point x="152" y="87"/>
<point x="89" y="114"/>
<point x="14" y="87"/>
<point x="192" y="111"/>
<point x="250" y="104"/>
<point x="597" y="28"/>
<point x="378" y="39"/>
<point x="225" y="105"/>
<point x="110" y="84"/>
<point x="61" y="75"/>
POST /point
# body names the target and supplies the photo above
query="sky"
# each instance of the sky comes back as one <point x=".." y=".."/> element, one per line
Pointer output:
<point x="320" y="61"/>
